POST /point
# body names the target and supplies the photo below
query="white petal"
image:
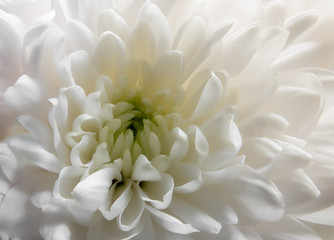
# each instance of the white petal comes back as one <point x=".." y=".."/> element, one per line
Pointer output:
<point x="195" y="216"/>
<point x="158" y="193"/>
<point x="187" y="177"/>
<point x="165" y="77"/>
<point x="109" y="20"/>
<point x="26" y="96"/>
<point x="238" y="232"/>
<point x="286" y="228"/>
<point x="39" y="129"/>
<point x="143" y="45"/>
<point x="211" y="202"/>
<point x="131" y="215"/>
<point x="109" y="55"/>
<point x="118" y="197"/>
<point x="82" y="153"/>
<point x="297" y="105"/>
<point x="324" y="217"/>
<point x="144" y="171"/>
<point x="291" y="157"/>
<point x="78" y="36"/>
<point x="198" y="146"/>
<point x="61" y="231"/>
<point x="83" y="215"/>
<point x="169" y="222"/>
<point x="175" y="144"/>
<point x="16" y="210"/>
<point x="222" y="132"/>
<point x="203" y="51"/>
<point x="298" y="191"/>
<point x="71" y="103"/>
<point x="109" y="230"/>
<point x="93" y="190"/>
<point x="158" y="24"/>
<point x="260" y="152"/>
<point x="300" y="23"/>
<point x="25" y="146"/>
<point x="210" y="96"/>
<point x="190" y="36"/>
<point x="239" y="48"/>
<point x="82" y="70"/>
<point x="253" y="197"/>
<point x="68" y="178"/>
<point x="93" y="104"/>
<point x="265" y="125"/>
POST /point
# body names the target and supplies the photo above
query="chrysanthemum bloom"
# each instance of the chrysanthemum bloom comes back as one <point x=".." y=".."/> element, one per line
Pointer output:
<point x="166" y="120"/>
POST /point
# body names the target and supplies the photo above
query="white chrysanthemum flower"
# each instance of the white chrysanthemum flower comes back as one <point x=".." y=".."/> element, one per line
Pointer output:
<point x="166" y="120"/>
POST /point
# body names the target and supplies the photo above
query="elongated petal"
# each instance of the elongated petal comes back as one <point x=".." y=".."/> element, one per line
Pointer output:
<point x="169" y="222"/>
<point x="195" y="216"/>
<point x="25" y="146"/>
<point x="131" y="215"/>
<point x="253" y="197"/>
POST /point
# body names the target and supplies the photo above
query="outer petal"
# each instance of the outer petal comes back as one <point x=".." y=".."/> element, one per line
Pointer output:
<point x="253" y="197"/>
<point x="25" y="146"/>
<point x="195" y="216"/>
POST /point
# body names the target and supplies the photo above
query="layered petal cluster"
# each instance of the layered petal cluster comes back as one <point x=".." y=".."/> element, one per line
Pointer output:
<point x="166" y="120"/>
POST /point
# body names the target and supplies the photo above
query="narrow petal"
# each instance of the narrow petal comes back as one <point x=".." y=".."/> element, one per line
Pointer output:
<point x="118" y="198"/>
<point x="253" y="197"/>
<point x="286" y="228"/>
<point x="239" y="48"/>
<point x="39" y="129"/>
<point x="169" y="222"/>
<point x="300" y="23"/>
<point x="131" y="215"/>
<point x="25" y="146"/>
<point x="298" y="191"/>
<point x="193" y="215"/>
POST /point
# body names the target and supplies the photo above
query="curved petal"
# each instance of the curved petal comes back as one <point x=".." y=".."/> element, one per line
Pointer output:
<point x="253" y="197"/>
<point x="187" y="177"/>
<point x="109" y="55"/>
<point x="118" y="198"/>
<point x="92" y="191"/>
<point x="158" y="193"/>
<point x="193" y="215"/>
<point x="144" y="171"/>
<point x="39" y="129"/>
<point x="169" y="222"/>
<point x="68" y="178"/>
<point x="131" y="215"/>
<point x="286" y="228"/>
<point x="175" y="144"/>
<point x="26" y="147"/>
<point x="222" y="132"/>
